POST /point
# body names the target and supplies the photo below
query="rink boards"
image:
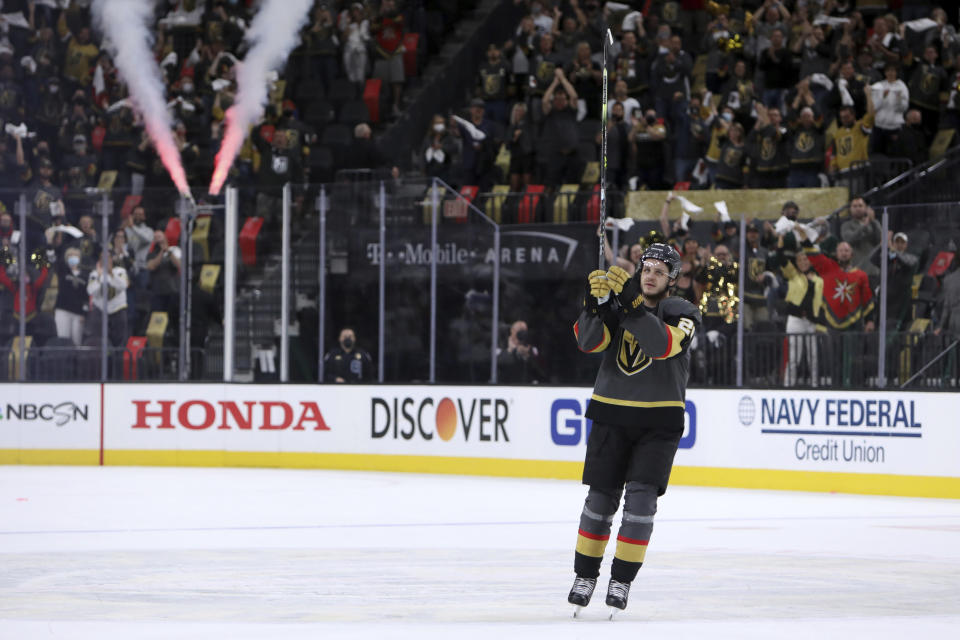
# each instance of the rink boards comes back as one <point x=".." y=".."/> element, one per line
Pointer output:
<point x="875" y="443"/>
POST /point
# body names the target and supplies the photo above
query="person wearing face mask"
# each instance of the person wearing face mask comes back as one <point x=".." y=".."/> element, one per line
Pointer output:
<point x="71" y="305"/>
<point x="440" y="149"/>
<point x="347" y="362"/>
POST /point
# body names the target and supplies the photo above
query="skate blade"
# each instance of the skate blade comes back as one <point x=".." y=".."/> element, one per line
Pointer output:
<point x="576" y="610"/>
<point x="613" y="613"/>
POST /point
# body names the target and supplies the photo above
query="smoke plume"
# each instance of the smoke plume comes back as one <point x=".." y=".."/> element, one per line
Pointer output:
<point x="272" y="35"/>
<point x="127" y="26"/>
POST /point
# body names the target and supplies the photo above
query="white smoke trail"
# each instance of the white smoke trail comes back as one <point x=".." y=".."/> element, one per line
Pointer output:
<point x="127" y="26"/>
<point x="273" y="33"/>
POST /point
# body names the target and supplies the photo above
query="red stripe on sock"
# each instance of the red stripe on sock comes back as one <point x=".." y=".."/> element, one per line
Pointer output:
<point x="593" y="536"/>
<point x="642" y="543"/>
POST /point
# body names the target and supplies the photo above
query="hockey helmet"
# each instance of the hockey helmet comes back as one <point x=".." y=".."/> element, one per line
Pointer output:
<point x="666" y="254"/>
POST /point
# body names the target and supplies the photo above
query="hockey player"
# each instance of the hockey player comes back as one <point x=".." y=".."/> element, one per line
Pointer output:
<point x="637" y="410"/>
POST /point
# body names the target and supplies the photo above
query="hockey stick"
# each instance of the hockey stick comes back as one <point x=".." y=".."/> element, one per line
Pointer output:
<point x="603" y="150"/>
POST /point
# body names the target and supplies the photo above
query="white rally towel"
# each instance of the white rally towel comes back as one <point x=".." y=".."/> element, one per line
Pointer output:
<point x="624" y="224"/>
<point x="475" y="133"/>
<point x="722" y="210"/>
<point x="68" y="229"/>
<point x="784" y="225"/>
<point x="688" y="206"/>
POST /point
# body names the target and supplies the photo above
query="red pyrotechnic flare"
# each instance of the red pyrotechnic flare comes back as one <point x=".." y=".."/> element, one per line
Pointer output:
<point x="229" y="148"/>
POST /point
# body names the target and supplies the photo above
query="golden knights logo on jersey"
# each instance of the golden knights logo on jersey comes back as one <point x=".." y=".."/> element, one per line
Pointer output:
<point x="804" y="142"/>
<point x="630" y="358"/>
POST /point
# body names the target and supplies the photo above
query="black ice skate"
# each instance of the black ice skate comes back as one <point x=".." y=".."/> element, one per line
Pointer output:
<point x="581" y="592"/>
<point x="617" y="593"/>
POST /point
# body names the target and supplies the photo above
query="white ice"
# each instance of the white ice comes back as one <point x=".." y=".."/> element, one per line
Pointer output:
<point x="108" y="553"/>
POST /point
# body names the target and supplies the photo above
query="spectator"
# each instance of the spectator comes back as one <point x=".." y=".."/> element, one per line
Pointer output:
<point x="321" y="48"/>
<point x="885" y="45"/>
<point x="862" y="233"/>
<point x="779" y="72"/>
<point x="520" y="142"/>
<point x="138" y="237"/>
<point x="163" y="263"/>
<point x="88" y="243"/>
<point x="520" y="362"/>
<point x="71" y="306"/>
<point x="891" y="99"/>
<point x="567" y="32"/>
<point x="928" y="83"/>
<point x="544" y="63"/>
<point x="649" y="139"/>
<point x="387" y="31"/>
<point x="769" y="149"/>
<point x="849" y="309"/>
<point x="690" y="135"/>
<point x="493" y="82"/>
<point x="804" y="315"/>
<point x="630" y="105"/>
<point x="479" y="145"/>
<point x="45" y="199"/>
<point x="632" y="67"/>
<point x="116" y="289"/>
<point x="738" y="93"/>
<point x="14" y="171"/>
<point x="732" y="168"/>
<point x="849" y="142"/>
<point x="912" y="142"/>
<point x="814" y="50"/>
<point x="35" y="278"/>
<point x="670" y="74"/>
<point x="355" y="29"/>
<point x="849" y="90"/>
<point x="440" y="150"/>
<point x="949" y="299"/>
<point x="849" y="298"/>
<point x="347" y="362"/>
<point x="901" y="265"/>
<point x="78" y="173"/>
<point x="618" y="148"/>
<point x="557" y="155"/>
<point x="807" y="146"/>
<point x="756" y="265"/>
<point x="78" y="63"/>
<point x="364" y="152"/>
<point x="586" y="77"/>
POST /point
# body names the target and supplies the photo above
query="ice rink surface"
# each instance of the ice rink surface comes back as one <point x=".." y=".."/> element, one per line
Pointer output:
<point x="110" y="552"/>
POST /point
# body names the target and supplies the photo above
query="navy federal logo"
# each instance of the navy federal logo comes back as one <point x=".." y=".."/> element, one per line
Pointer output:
<point x="631" y="359"/>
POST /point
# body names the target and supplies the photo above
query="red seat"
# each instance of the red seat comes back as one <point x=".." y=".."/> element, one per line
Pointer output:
<point x="173" y="232"/>
<point x="593" y="205"/>
<point x="682" y="186"/>
<point x="135" y="345"/>
<point x="248" y="240"/>
<point x="527" y="211"/>
<point x="410" y="42"/>
<point x="940" y="264"/>
<point x="371" y="96"/>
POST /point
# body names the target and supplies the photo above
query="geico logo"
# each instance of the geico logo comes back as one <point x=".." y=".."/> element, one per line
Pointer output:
<point x="406" y="417"/>
<point x="569" y="428"/>
<point x="60" y="414"/>
<point x="200" y="414"/>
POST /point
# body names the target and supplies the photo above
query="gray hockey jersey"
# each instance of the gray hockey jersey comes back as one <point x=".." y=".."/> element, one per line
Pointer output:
<point x="646" y="362"/>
